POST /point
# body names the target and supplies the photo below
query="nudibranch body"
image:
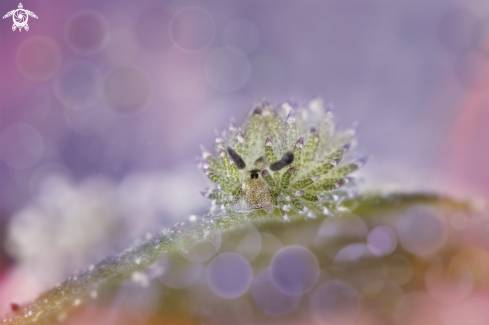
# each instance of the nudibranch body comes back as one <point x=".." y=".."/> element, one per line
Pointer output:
<point x="290" y="158"/>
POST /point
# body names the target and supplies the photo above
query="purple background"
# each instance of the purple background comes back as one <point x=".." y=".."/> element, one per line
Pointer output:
<point x="407" y="71"/>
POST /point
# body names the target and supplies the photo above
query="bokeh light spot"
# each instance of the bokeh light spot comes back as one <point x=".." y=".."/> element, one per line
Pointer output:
<point x="294" y="269"/>
<point x="192" y="29"/>
<point x="128" y="90"/>
<point x="86" y="32"/>
<point x="382" y="241"/>
<point x="79" y="85"/>
<point x="152" y="28"/>
<point x="39" y="58"/>
<point x="229" y="275"/>
<point x="421" y="231"/>
<point x="352" y="253"/>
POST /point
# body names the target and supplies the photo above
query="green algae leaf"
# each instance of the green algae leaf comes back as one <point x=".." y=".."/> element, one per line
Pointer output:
<point x="77" y="291"/>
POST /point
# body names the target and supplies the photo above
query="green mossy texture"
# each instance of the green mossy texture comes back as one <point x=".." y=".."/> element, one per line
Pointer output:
<point x="73" y="293"/>
<point x="321" y="163"/>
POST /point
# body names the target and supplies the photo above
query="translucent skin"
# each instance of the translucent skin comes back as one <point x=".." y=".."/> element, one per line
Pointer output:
<point x="254" y="194"/>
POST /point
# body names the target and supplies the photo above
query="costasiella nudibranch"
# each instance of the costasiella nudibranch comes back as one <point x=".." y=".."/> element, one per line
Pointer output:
<point x="286" y="158"/>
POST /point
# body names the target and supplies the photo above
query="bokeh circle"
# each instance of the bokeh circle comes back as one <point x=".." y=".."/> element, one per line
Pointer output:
<point x="86" y="32"/>
<point x="421" y="231"/>
<point x="79" y="85"/>
<point x="192" y="29"/>
<point x="229" y="275"/>
<point x="382" y="240"/>
<point x="294" y="269"/>
<point x="39" y="58"/>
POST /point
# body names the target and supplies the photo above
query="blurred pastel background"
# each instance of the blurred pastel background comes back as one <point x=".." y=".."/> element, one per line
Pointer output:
<point x="103" y="106"/>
